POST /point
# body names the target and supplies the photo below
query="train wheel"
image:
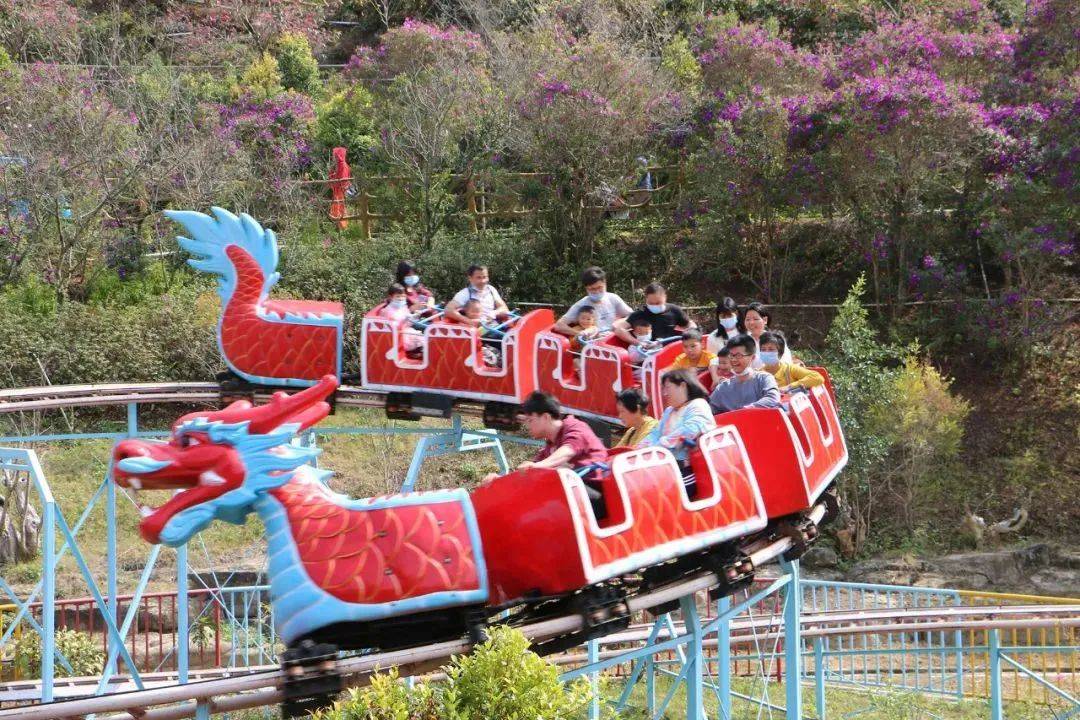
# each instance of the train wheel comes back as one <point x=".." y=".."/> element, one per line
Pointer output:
<point x="312" y="680"/>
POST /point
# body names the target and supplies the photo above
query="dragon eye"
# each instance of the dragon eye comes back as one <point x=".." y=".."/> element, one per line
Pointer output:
<point x="187" y="441"/>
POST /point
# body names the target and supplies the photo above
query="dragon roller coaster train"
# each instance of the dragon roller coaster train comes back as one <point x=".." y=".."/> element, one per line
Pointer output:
<point x="420" y="567"/>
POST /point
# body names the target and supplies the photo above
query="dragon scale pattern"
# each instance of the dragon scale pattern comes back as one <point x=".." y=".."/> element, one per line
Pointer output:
<point x="263" y="348"/>
<point x="368" y="555"/>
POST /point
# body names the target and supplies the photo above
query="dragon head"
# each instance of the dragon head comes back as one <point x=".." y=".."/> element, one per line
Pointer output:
<point x="219" y="462"/>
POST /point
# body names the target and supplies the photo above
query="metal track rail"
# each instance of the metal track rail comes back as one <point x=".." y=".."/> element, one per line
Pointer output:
<point x="914" y="620"/>
<point x="58" y="397"/>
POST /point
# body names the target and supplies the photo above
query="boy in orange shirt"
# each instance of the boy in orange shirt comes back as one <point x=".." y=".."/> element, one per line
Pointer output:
<point x="694" y="355"/>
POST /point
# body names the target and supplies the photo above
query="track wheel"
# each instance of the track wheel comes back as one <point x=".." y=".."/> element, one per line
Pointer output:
<point x="312" y="680"/>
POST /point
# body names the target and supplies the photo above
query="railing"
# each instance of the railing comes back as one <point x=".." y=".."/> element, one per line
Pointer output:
<point x="229" y="627"/>
<point x="510" y="196"/>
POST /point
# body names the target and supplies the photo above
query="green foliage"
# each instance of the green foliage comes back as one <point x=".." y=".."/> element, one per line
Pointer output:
<point x="82" y="653"/>
<point x="159" y="338"/>
<point x="678" y="60"/>
<point x="346" y="119"/>
<point x="924" y="425"/>
<point x="298" y="68"/>
<point x="903" y="426"/>
<point x="5" y="59"/>
<point x="501" y="678"/>
<point x="261" y="79"/>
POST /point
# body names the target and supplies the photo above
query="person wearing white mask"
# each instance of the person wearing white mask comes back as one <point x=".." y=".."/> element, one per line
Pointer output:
<point x="727" y="325"/>
<point x="667" y="319"/>
<point x="749" y="387"/>
<point x="755" y="321"/>
<point x="607" y="306"/>
<point x="420" y="299"/>
<point x="396" y="308"/>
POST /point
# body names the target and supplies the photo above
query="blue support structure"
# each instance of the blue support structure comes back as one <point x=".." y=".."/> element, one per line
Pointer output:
<point x="994" y="642"/>
<point x="694" y="664"/>
<point x="792" y="641"/>
<point x="723" y="657"/>
<point x="819" y="677"/>
<point x="450" y="442"/>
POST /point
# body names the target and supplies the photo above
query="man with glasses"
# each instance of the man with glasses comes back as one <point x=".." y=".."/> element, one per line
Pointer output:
<point x="747" y="387"/>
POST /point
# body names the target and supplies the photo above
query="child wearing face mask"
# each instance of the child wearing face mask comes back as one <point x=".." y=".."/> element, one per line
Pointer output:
<point x="396" y="308"/>
<point x="421" y="300"/>
<point x="646" y="346"/>
<point x="789" y="377"/>
<point x="727" y="326"/>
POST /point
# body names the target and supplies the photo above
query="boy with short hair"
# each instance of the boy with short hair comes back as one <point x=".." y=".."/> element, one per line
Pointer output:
<point x="644" y="344"/>
<point x="490" y="339"/>
<point x="694" y="355"/>
<point x="587" y="329"/>
<point x="789" y="377"/>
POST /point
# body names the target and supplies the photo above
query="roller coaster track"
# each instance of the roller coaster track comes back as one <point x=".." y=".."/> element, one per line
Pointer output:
<point x="261" y="688"/>
<point x="74" y="396"/>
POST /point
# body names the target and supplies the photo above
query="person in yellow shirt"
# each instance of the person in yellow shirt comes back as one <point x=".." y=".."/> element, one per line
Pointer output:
<point x="788" y="376"/>
<point x="694" y="355"/>
<point x="633" y="405"/>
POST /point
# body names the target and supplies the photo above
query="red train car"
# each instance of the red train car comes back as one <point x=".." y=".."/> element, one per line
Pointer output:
<point x="796" y="453"/>
<point x="589" y="388"/>
<point x="557" y="545"/>
<point x="450" y="360"/>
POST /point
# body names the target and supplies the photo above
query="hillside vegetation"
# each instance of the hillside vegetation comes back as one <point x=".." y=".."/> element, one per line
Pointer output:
<point x="911" y="167"/>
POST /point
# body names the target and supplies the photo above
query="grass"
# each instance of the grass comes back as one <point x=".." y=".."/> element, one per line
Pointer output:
<point x="364" y="466"/>
<point x="839" y="703"/>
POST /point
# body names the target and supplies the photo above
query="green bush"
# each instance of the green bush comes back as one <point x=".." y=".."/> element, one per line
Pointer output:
<point x="345" y="119"/>
<point x="297" y="66"/>
<point x="165" y="337"/>
<point x="261" y="79"/>
<point x="904" y="429"/>
<point x="82" y="653"/>
<point x="500" y="679"/>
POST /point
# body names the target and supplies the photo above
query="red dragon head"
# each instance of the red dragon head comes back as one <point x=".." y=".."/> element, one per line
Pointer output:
<point x="220" y="462"/>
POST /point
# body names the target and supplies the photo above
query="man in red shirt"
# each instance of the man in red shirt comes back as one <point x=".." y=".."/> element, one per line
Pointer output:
<point x="568" y="442"/>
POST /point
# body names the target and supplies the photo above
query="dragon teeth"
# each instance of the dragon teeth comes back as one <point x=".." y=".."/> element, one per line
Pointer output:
<point x="146" y="510"/>
<point x="211" y="478"/>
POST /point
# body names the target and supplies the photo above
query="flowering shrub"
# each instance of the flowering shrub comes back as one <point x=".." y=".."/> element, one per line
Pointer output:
<point x="416" y="46"/>
<point x="918" y="44"/>
<point x="743" y="58"/>
<point x="274" y="131"/>
<point x="584" y="111"/>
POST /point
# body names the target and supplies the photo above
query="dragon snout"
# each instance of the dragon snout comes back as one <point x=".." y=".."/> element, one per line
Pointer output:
<point x="138" y="464"/>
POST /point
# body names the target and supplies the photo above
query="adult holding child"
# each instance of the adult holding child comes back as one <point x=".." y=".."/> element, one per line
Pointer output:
<point x="607" y="307"/>
<point x="666" y="319"/>
<point x="419" y="298"/>
<point x="493" y="308"/>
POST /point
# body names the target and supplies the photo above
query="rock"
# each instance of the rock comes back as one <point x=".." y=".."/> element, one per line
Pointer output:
<point x="997" y="570"/>
<point x="819" y="557"/>
<point x="1038" y="569"/>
